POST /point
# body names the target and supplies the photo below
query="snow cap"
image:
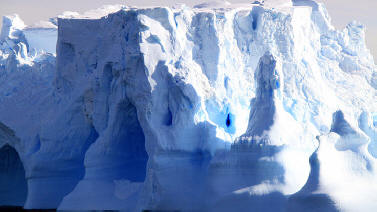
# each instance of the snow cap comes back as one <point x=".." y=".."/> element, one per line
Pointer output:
<point x="11" y="24"/>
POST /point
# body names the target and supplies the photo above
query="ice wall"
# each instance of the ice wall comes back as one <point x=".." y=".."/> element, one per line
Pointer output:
<point x="224" y="108"/>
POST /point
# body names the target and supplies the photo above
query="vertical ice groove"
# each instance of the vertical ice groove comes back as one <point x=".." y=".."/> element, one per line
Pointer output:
<point x="367" y="124"/>
<point x="205" y="38"/>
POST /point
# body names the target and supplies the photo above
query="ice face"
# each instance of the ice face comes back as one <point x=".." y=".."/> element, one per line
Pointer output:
<point x="218" y="107"/>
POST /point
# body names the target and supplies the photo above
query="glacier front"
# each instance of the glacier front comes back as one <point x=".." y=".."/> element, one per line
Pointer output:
<point x="219" y="107"/>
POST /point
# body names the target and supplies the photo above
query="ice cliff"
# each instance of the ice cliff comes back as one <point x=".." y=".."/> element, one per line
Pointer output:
<point x="262" y="106"/>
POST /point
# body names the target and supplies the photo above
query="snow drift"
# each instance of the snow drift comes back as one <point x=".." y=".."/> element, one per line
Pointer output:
<point x="219" y="107"/>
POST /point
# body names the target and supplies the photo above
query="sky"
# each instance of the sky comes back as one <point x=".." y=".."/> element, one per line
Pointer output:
<point x="341" y="11"/>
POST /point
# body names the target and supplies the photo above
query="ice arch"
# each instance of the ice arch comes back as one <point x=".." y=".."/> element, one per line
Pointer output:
<point x="115" y="165"/>
<point x="13" y="185"/>
<point x="128" y="156"/>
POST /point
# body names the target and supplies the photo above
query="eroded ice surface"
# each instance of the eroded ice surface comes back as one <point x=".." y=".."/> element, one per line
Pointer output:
<point x="219" y="107"/>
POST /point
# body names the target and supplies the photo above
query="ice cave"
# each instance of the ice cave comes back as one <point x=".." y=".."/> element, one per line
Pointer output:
<point x="13" y="185"/>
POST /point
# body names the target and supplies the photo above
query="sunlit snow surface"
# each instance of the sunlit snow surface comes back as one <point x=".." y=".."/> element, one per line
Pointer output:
<point x="220" y="107"/>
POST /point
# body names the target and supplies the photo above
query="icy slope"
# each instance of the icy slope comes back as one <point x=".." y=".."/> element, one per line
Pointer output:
<point x="232" y="107"/>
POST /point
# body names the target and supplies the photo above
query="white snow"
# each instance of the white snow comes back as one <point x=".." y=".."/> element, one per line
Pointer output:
<point x="213" y="4"/>
<point x="220" y="107"/>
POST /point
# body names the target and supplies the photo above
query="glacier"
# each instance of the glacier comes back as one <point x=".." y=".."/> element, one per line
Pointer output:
<point x="220" y="107"/>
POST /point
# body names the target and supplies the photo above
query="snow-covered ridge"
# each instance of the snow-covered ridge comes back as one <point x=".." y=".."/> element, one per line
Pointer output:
<point x="219" y="108"/>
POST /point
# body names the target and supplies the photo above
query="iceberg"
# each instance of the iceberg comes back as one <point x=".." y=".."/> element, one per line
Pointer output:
<point x="221" y="107"/>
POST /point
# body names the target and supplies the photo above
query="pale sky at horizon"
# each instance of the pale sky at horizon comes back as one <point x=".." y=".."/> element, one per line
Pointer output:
<point x="341" y="11"/>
